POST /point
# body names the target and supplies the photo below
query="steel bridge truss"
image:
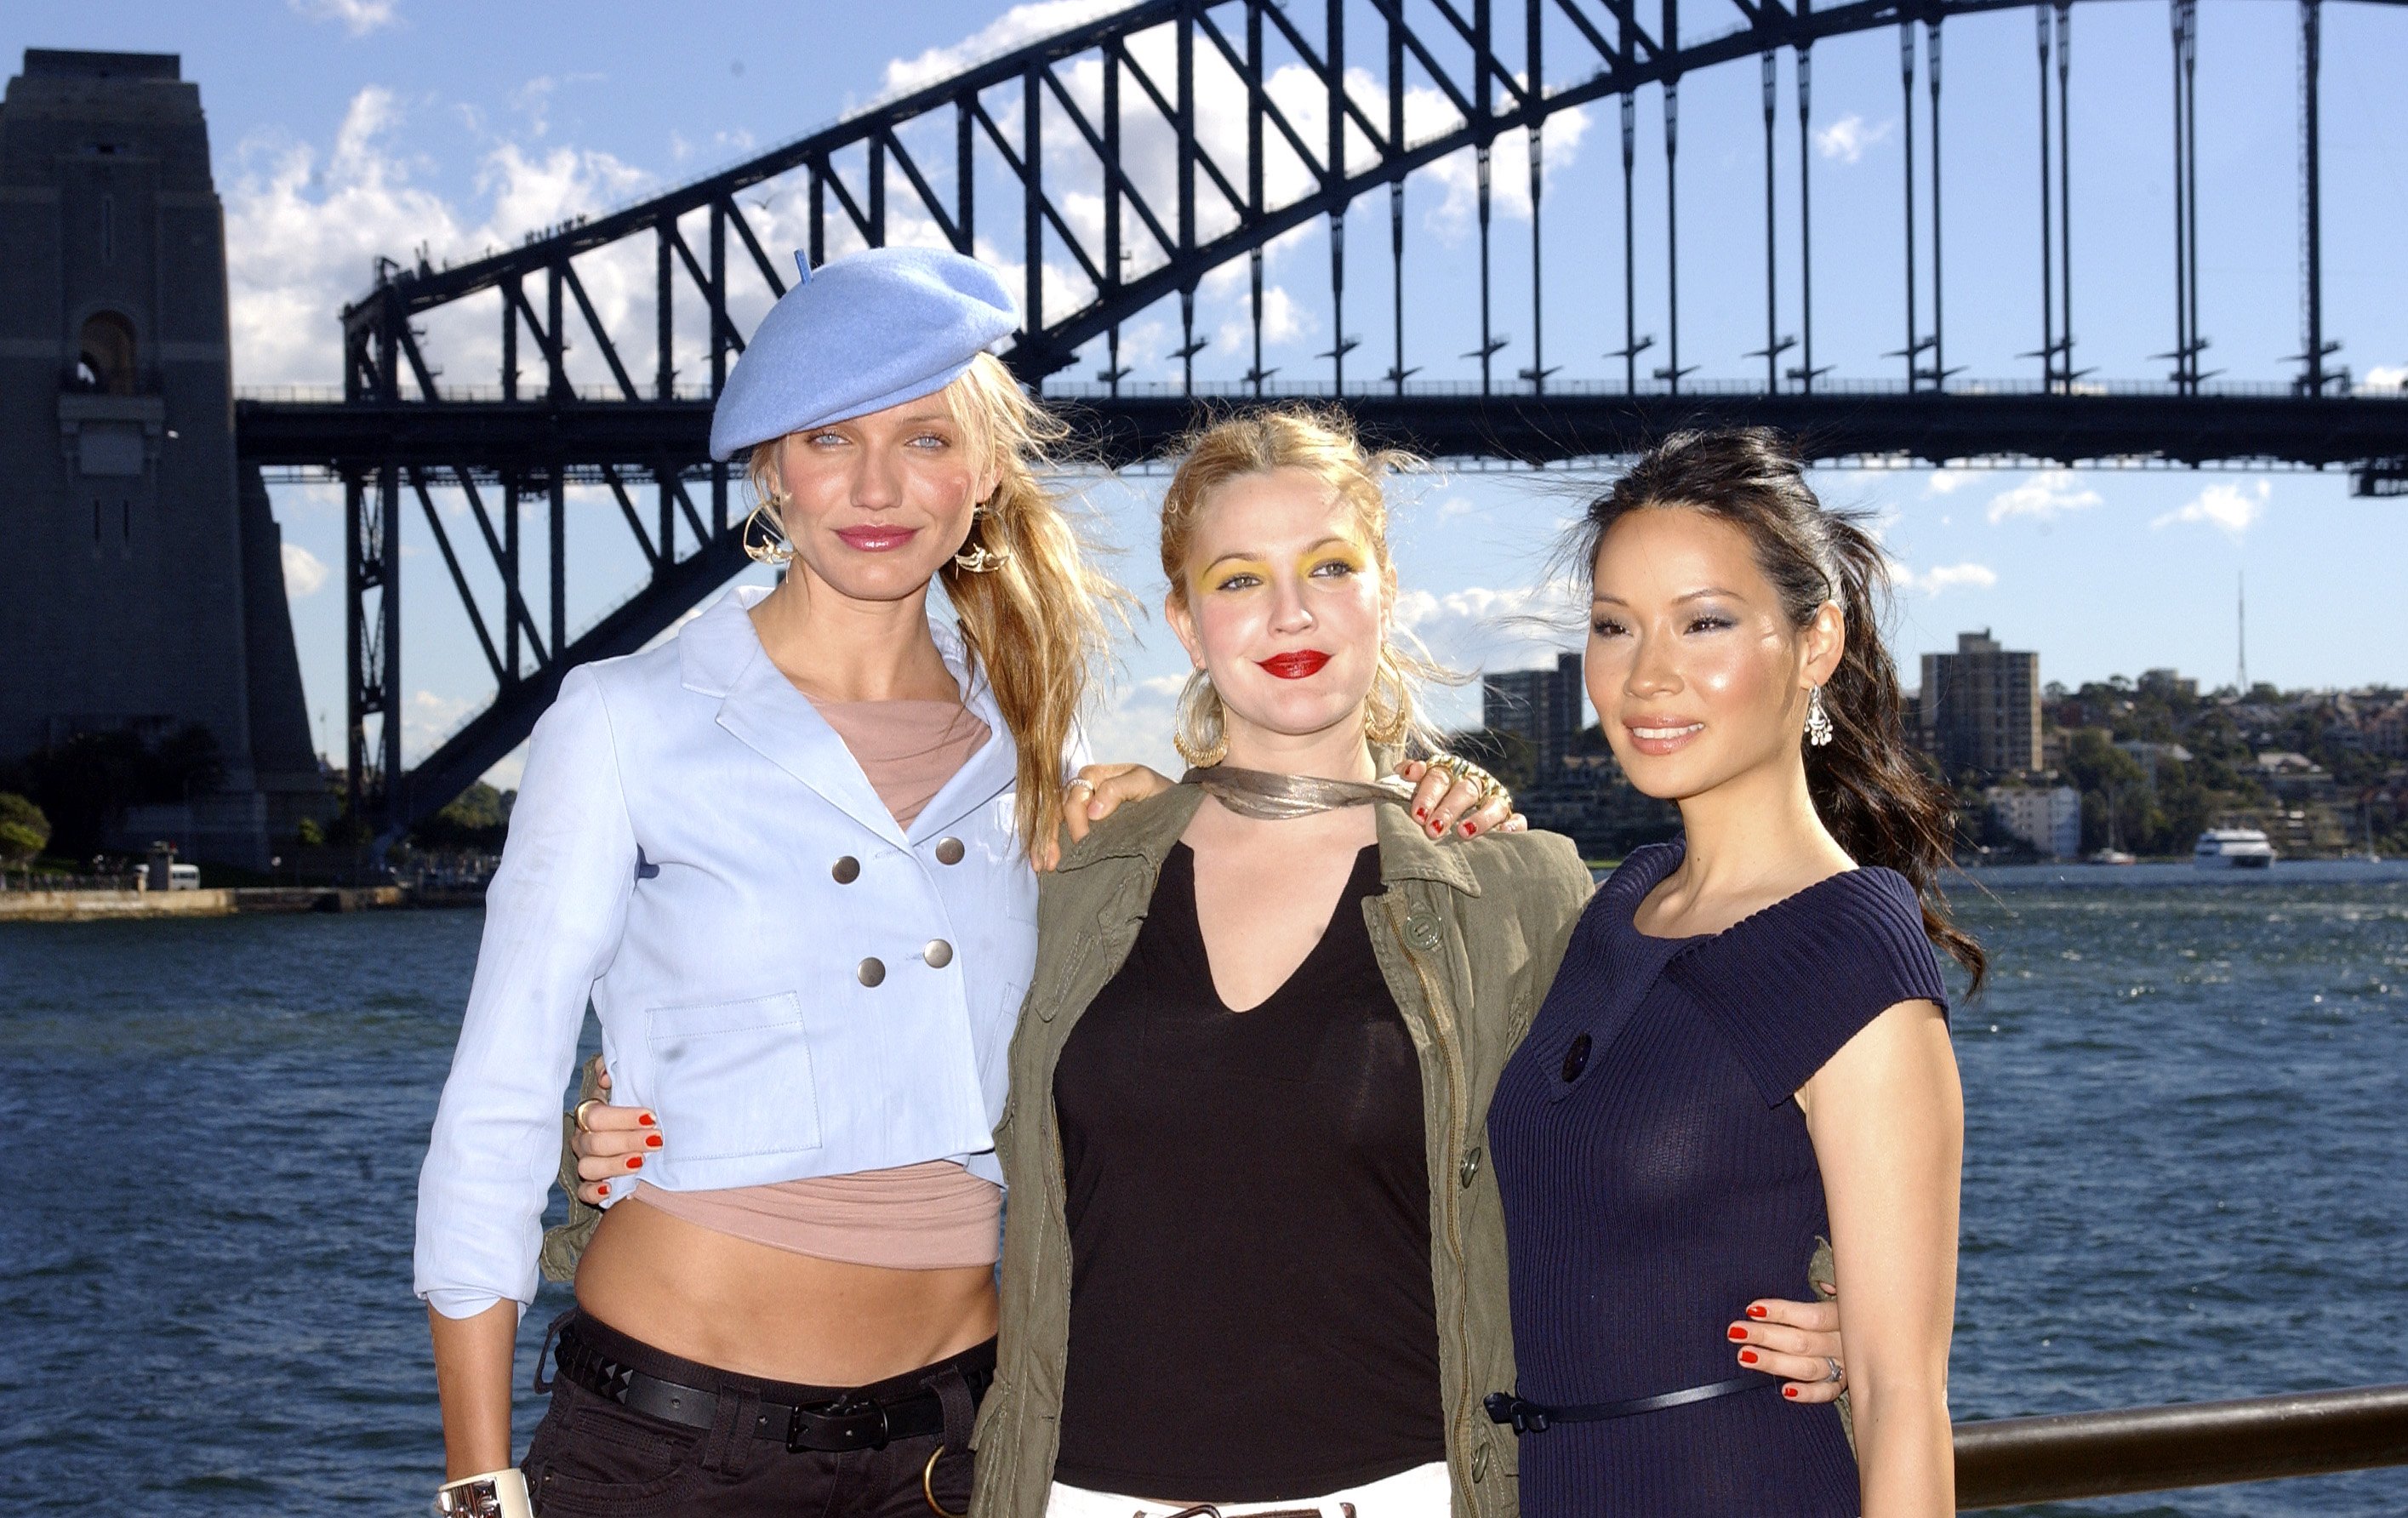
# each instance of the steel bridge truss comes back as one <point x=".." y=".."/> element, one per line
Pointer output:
<point x="1103" y="242"/>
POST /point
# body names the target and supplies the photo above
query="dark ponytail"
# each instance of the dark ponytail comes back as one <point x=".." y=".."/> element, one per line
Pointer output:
<point x="1871" y="790"/>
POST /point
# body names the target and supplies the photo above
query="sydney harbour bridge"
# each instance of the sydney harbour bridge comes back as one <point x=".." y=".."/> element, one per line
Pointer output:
<point x="1121" y="163"/>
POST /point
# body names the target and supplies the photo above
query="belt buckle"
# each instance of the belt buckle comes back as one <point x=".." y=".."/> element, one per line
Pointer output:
<point x="843" y="1409"/>
<point x="1526" y="1417"/>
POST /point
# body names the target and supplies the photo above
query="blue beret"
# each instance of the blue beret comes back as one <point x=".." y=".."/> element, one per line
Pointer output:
<point x="859" y="334"/>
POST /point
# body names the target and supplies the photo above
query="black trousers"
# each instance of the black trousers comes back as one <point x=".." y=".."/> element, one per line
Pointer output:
<point x="592" y="1457"/>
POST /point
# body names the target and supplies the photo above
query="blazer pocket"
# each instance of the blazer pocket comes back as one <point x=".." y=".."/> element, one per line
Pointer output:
<point x="734" y="1077"/>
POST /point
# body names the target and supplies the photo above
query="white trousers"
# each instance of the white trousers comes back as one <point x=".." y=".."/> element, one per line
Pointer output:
<point x="1422" y="1492"/>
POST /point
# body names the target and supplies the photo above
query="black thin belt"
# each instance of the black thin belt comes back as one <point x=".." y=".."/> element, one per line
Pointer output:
<point x="1532" y="1418"/>
<point x="851" y="1422"/>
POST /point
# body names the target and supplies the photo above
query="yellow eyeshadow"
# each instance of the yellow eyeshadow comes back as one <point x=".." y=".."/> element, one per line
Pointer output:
<point x="1353" y="558"/>
<point x="1229" y="569"/>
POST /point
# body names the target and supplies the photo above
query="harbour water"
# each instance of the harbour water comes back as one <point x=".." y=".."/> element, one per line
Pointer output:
<point x="2184" y="1181"/>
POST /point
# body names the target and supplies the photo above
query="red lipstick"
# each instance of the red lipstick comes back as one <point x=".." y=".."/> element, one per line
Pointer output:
<point x="876" y="538"/>
<point x="1297" y="665"/>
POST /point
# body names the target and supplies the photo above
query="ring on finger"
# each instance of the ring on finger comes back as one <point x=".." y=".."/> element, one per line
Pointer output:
<point x="1839" y="1372"/>
<point x="582" y="1127"/>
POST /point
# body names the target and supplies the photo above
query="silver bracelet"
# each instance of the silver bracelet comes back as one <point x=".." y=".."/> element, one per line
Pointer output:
<point x="495" y="1494"/>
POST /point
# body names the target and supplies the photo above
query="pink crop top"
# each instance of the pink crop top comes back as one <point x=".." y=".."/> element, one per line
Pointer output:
<point x="929" y="1216"/>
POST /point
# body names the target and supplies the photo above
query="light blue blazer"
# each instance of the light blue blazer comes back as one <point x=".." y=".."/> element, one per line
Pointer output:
<point x="797" y="985"/>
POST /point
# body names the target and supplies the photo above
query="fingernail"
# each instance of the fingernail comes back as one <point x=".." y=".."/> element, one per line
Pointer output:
<point x="1790" y="1391"/>
<point x="634" y="1162"/>
<point x="643" y="1119"/>
<point x="1739" y="1333"/>
<point x="1469" y="830"/>
<point x="1747" y="1356"/>
<point x="1422" y="812"/>
<point x="1755" y="1313"/>
<point x="652" y="1140"/>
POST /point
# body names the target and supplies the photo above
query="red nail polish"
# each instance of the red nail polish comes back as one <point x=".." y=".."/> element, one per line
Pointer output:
<point x="634" y="1162"/>
<point x="1469" y="830"/>
<point x="1755" y="1313"/>
<point x="643" y="1119"/>
<point x="652" y="1140"/>
<point x="1422" y="812"/>
<point x="1790" y="1391"/>
<point x="1747" y="1356"/>
<point x="1739" y="1333"/>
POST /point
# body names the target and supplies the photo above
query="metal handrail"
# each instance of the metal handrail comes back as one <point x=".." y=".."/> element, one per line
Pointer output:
<point x="2007" y="1462"/>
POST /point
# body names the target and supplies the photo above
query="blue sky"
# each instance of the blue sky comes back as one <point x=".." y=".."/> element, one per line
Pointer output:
<point x="342" y="129"/>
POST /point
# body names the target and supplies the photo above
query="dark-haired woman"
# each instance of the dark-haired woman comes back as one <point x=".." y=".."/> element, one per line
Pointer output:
<point x="1746" y="1047"/>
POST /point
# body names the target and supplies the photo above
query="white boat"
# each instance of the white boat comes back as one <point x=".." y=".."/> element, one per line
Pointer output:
<point x="2232" y="847"/>
<point x="2113" y="856"/>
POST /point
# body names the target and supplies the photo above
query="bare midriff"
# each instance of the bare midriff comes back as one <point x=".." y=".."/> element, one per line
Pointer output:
<point x="768" y="1312"/>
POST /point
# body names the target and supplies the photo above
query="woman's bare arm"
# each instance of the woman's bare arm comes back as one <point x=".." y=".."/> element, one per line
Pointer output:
<point x="1887" y="1119"/>
<point x="472" y="1376"/>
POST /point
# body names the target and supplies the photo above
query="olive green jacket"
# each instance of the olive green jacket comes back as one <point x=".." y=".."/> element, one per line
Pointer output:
<point x="1468" y="934"/>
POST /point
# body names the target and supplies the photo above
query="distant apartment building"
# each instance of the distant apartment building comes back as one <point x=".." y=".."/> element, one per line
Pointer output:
<point x="1543" y="707"/>
<point x="2050" y="819"/>
<point x="2172" y="684"/>
<point x="1979" y="709"/>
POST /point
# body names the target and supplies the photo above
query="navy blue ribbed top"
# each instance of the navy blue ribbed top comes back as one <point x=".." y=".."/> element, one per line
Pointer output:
<point x="1657" y="1176"/>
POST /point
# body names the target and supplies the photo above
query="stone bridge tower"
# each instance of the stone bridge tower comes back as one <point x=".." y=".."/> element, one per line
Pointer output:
<point x="141" y="583"/>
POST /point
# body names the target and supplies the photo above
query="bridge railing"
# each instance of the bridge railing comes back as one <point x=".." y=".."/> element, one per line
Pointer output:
<point x="2010" y="1462"/>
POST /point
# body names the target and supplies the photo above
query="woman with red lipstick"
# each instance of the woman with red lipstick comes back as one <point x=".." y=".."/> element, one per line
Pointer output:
<point x="1254" y="1258"/>
<point x="1746" y="1047"/>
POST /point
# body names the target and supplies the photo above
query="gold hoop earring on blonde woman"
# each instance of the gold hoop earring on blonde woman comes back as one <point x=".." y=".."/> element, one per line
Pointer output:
<point x="771" y="546"/>
<point x="1388" y="714"/>
<point x="1198" y="734"/>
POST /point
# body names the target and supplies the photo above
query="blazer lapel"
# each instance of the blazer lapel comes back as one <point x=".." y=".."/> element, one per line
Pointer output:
<point x="762" y="710"/>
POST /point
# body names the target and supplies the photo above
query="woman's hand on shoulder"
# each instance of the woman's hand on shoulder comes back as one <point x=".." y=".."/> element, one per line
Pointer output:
<point x="1447" y="799"/>
<point x="611" y="1142"/>
<point x="1095" y="793"/>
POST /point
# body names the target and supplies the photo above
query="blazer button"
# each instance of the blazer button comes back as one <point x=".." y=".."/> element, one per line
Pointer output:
<point x="1422" y="931"/>
<point x="939" y="953"/>
<point x="949" y="850"/>
<point x="847" y="870"/>
<point x="1470" y="1166"/>
<point x="1480" y="1464"/>
<point x="1576" y="1059"/>
<point x="871" y="972"/>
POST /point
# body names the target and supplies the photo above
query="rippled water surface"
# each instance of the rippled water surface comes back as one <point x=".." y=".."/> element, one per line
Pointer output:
<point x="2183" y="1182"/>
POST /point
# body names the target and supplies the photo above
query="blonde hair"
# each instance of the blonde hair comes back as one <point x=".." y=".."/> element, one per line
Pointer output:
<point x="1323" y="444"/>
<point x="1035" y="624"/>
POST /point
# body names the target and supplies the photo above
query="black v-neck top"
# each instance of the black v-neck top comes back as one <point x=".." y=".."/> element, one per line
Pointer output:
<point x="1251" y="1315"/>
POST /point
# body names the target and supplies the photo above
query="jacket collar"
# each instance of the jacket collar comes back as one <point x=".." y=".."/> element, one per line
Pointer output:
<point x="1147" y="829"/>
<point x="719" y="654"/>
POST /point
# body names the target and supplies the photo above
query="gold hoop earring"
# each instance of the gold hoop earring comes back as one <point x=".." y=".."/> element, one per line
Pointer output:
<point x="1198" y="733"/>
<point x="773" y="548"/>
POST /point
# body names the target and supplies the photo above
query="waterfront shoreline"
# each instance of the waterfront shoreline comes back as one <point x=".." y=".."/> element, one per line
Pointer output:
<point x="133" y="906"/>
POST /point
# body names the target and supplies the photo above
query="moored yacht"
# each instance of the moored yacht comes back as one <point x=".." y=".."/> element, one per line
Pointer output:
<point x="2232" y="847"/>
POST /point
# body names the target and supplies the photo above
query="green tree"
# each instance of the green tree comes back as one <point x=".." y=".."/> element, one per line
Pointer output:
<point x="25" y="832"/>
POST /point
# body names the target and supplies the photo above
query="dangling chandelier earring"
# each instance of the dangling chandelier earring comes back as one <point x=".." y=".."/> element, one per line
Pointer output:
<point x="982" y="560"/>
<point x="771" y="546"/>
<point x="1198" y="733"/>
<point x="1818" y="721"/>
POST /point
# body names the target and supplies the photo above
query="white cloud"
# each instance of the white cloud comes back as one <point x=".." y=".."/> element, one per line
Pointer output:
<point x="1947" y="481"/>
<point x="2046" y="495"/>
<point x="304" y="227"/>
<point x="1946" y="577"/>
<point x="2386" y="377"/>
<point x="304" y="573"/>
<point x="358" y="17"/>
<point x="1477" y="627"/>
<point x="428" y="719"/>
<point x="1847" y="138"/>
<point x="1015" y="28"/>
<point x="2227" y="507"/>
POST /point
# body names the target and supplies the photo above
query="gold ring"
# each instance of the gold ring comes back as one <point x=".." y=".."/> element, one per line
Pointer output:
<point x="928" y="1488"/>
<point x="579" y="1115"/>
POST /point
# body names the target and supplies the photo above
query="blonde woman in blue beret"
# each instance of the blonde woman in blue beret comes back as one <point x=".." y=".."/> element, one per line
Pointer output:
<point x="787" y="856"/>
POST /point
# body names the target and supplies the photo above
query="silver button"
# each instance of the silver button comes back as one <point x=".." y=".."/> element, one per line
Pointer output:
<point x="871" y="972"/>
<point x="847" y="870"/>
<point x="939" y="953"/>
<point x="1422" y="931"/>
<point x="949" y="850"/>
<point x="1470" y="1166"/>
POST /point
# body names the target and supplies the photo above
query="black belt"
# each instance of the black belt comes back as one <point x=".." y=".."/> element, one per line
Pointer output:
<point x="853" y="1422"/>
<point x="1532" y="1418"/>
